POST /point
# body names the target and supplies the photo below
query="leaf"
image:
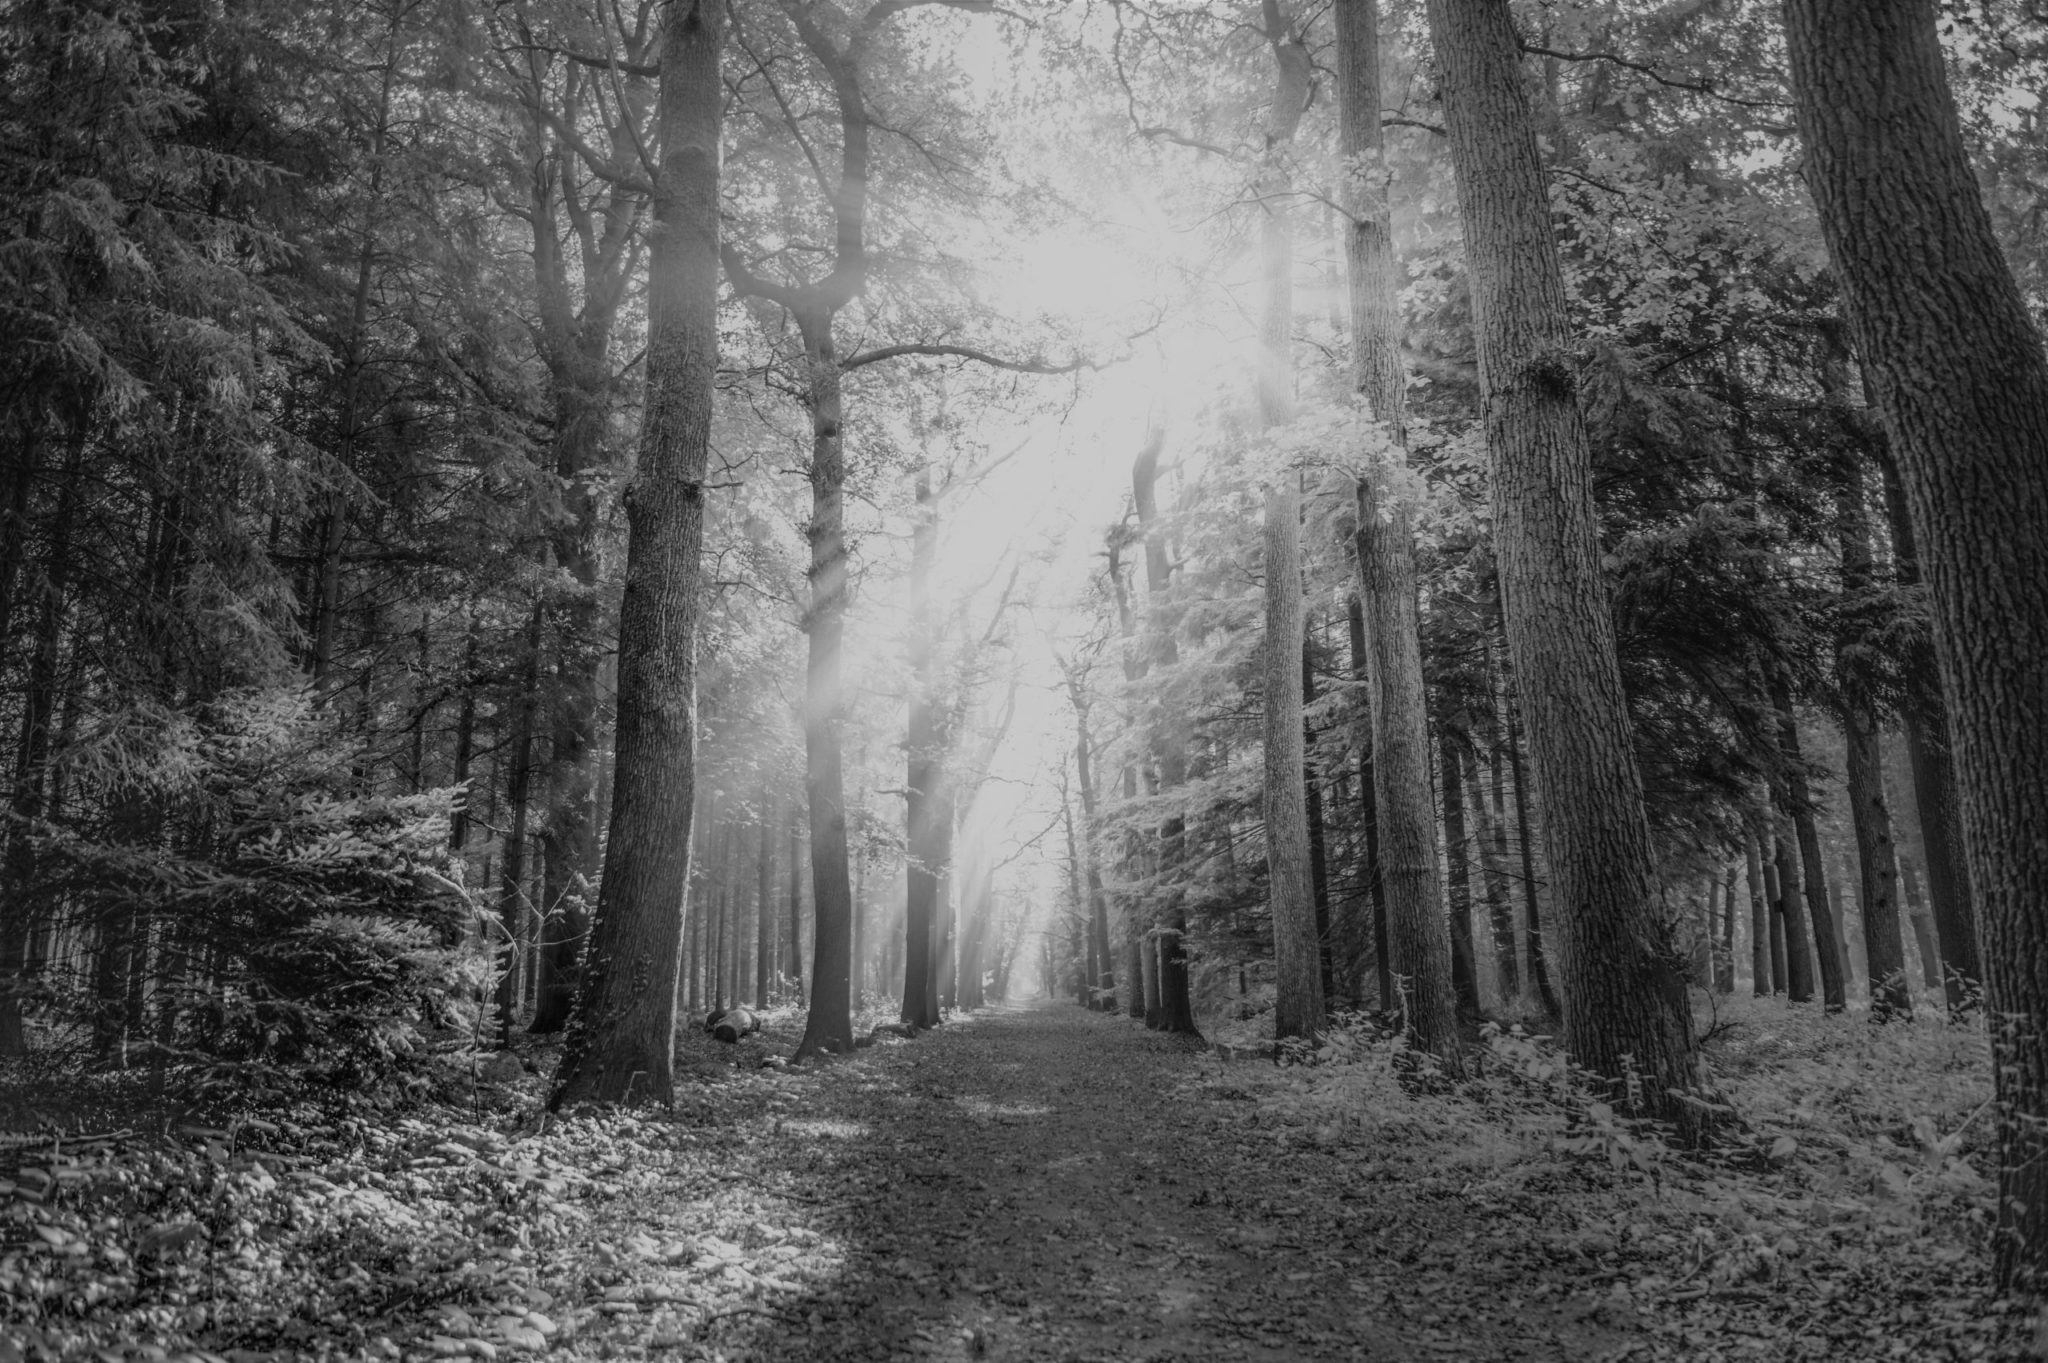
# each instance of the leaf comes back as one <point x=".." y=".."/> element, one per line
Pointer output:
<point x="1784" y="1148"/>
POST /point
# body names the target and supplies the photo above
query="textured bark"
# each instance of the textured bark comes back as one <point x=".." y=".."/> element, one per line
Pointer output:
<point x="1877" y="865"/>
<point x="1958" y="372"/>
<point x="1932" y="759"/>
<point x="1625" y="1006"/>
<point x="1416" y="950"/>
<point x="1490" y="843"/>
<point x="622" y="1028"/>
<point x="1724" y="945"/>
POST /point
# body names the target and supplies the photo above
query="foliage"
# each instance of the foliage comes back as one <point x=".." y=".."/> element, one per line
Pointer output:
<point x="337" y="931"/>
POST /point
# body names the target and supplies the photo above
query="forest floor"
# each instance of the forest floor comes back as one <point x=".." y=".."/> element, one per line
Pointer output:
<point x="1031" y="1183"/>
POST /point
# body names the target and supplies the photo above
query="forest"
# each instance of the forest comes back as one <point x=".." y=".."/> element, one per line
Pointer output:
<point x="1023" y="679"/>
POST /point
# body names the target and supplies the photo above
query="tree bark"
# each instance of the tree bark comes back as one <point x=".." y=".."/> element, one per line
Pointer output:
<point x="1877" y="864"/>
<point x="1930" y="755"/>
<point x="1368" y="794"/>
<point x="1625" y="1005"/>
<point x="764" y="901"/>
<point x="1958" y="372"/>
<point x="622" y="1027"/>
<point x="1299" y="1004"/>
<point x="1417" y="955"/>
<point x="1318" y="840"/>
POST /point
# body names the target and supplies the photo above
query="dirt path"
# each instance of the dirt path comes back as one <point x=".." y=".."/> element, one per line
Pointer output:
<point x="1044" y="1183"/>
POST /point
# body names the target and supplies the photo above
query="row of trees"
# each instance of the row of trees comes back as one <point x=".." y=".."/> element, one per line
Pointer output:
<point x="329" y="334"/>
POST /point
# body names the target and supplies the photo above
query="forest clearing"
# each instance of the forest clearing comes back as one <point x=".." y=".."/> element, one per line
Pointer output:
<point x="1062" y="679"/>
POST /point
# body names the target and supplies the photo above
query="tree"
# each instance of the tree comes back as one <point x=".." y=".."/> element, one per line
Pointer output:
<point x="1408" y="873"/>
<point x="622" y="1029"/>
<point x="1957" y="371"/>
<point x="1299" y="1007"/>
<point x="1625" y="1008"/>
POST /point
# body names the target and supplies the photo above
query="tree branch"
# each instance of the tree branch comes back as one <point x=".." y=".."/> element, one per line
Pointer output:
<point x="1704" y="87"/>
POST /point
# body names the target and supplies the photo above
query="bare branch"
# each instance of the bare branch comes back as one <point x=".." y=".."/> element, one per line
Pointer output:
<point x="1703" y="87"/>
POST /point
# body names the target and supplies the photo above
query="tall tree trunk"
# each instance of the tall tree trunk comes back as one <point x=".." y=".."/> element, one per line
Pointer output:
<point x="1932" y="759"/>
<point x="1760" y="966"/>
<point x="1791" y="938"/>
<point x="1318" y="841"/>
<point x="1500" y="913"/>
<point x="1464" y="969"/>
<point x="622" y="1026"/>
<point x="1799" y="808"/>
<point x="924" y="837"/>
<point x="1923" y="926"/>
<point x="764" y="901"/>
<point x="1168" y="743"/>
<point x="1724" y="946"/>
<point x="1373" y="895"/>
<point x="19" y="915"/>
<point x="1958" y="371"/>
<point x="829" y="1024"/>
<point x="1103" y="980"/>
<point x="1532" y="896"/>
<point x="796" y="900"/>
<point x="1877" y="865"/>
<point x="1299" y="1004"/>
<point x="1625" y="1005"/>
<point x="512" y="906"/>
<point x="1416" y="946"/>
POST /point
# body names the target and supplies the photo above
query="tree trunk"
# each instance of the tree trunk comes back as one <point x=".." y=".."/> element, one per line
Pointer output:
<point x="1371" y="899"/>
<point x="1625" y="1006"/>
<point x="829" y="1025"/>
<point x="1799" y="807"/>
<point x="1464" y="971"/>
<point x="796" y="900"/>
<point x="764" y="902"/>
<point x="1415" y="952"/>
<point x="1877" y="865"/>
<point x="1299" y="1004"/>
<point x="1923" y="926"/>
<point x="1318" y="841"/>
<point x="622" y="1026"/>
<point x="1929" y="754"/>
<point x="513" y="908"/>
<point x="1958" y="372"/>
<point x="1790" y="939"/>
<point x="923" y="806"/>
<point x="1539" y="962"/>
<point x="1760" y="966"/>
<point x="1488" y="841"/>
<point x="1169" y="744"/>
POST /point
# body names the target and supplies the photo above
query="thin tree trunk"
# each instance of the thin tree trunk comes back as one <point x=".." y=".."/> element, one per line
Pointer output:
<point x="512" y="906"/>
<point x="1318" y="849"/>
<point x="923" y="805"/>
<point x="1415" y="948"/>
<point x="1539" y="961"/>
<point x="1299" y="1004"/>
<point x="1923" y="926"/>
<point x="1799" y="807"/>
<point x="1625" y="1005"/>
<point x="764" y="901"/>
<point x="622" y="1026"/>
<point x="1464" y="969"/>
<point x="1791" y="936"/>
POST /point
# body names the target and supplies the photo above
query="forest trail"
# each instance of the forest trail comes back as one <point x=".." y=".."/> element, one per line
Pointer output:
<point x="1046" y="1183"/>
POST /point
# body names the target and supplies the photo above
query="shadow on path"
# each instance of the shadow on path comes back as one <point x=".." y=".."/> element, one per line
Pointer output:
<point x="1046" y="1183"/>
